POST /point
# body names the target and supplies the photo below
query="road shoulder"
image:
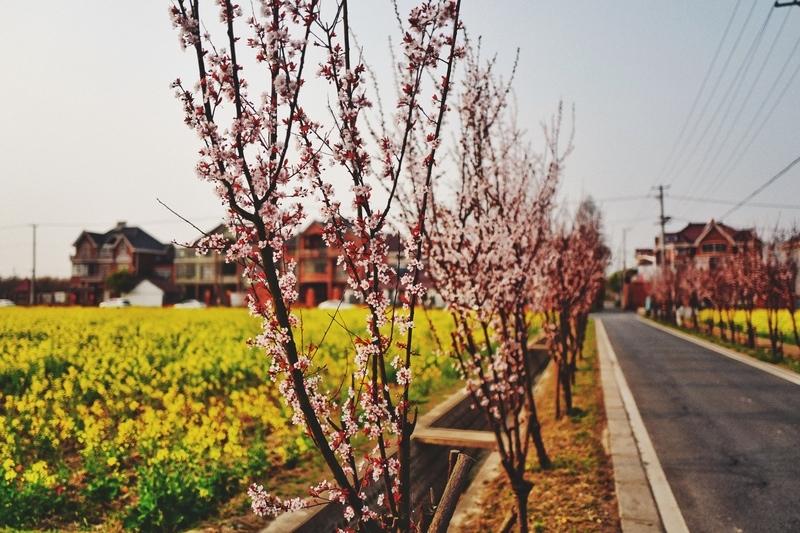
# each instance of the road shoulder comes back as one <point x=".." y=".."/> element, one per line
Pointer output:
<point x="646" y="502"/>
<point x="775" y="370"/>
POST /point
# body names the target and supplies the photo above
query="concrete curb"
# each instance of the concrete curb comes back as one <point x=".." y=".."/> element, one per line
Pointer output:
<point x="775" y="370"/>
<point x="646" y="502"/>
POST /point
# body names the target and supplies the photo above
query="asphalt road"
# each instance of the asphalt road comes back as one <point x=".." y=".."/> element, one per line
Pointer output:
<point x="727" y="434"/>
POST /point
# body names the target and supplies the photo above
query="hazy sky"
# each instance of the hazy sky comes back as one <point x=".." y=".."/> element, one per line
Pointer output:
<point x="90" y="132"/>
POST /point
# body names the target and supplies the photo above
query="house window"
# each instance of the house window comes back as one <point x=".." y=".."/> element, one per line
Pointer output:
<point x="184" y="271"/>
<point x="206" y="272"/>
<point x="716" y="247"/>
<point x="315" y="267"/>
<point x="80" y="270"/>
<point x="85" y="250"/>
<point x="184" y="252"/>
<point x="314" y="242"/>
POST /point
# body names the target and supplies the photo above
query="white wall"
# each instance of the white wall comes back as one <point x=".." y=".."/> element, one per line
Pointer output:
<point x="145" y="294"/>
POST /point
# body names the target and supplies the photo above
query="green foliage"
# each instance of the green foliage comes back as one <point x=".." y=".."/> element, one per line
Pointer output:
<point x="171" y="498"/>
<point x="161" y="414"/>
<point x="121" y="281"/>
<point x="27" y="504"/>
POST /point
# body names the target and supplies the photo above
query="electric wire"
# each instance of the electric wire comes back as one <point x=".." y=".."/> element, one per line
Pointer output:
<point x="734" y="83"/>
<point x="710" y="98"/>
<point x="730" y="128"/>
<point x="766" y="184"/>
<point x="751" y="131"/>
<point x="700" y="91"/>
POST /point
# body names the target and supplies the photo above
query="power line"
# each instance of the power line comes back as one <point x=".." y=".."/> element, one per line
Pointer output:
<point x="766" y="184"/>
<point x="732" y="202"/>
<point x="732" y="86"/>
<point x="683" y="139"/>
<point x="729" y="129"/>
<point x="623" y="198"/>
<point x="719" y="78"/>
<point x="89" y="224"/>
<point x="754" y="132"/>
<point x="700" y="91"/>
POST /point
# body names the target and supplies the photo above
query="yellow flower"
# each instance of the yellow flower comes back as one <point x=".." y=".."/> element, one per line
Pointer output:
<point x="111" y="461"/>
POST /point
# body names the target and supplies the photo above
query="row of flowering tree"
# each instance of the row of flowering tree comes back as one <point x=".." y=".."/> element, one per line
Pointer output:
<point x="575" y="276"/>
<point x="759" y="275"/>
<point x="259" y="74"/>
<point x="486" y="250"/>
<point x="282" y="146"/>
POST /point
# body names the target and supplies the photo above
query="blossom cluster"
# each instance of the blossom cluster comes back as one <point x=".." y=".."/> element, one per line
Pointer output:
<point x="269" y="161"/>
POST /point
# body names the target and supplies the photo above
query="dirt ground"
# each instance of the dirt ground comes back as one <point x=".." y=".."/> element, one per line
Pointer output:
<point x="577" y="493"/>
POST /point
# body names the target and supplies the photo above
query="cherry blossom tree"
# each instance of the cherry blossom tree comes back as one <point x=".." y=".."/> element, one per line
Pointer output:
<point x="665" y="292"/>
<point x="748" y="271"/>
<point x="575" y="276"/>
<point x="270" y="160"/>
<point x="772" y="294"/>
<point x="694" y="286"/>
<point x="486" y="251"/>
<point x="787" y="276"/>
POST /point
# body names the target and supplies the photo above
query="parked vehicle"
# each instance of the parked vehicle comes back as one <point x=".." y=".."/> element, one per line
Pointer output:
<point x="116" y="303"/>
<point x="335" y="304"/>
<point x="191" y="304"/>
<point x="6" y="303"/>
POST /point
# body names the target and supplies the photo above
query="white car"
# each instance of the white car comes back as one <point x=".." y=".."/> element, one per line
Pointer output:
<point x="191" y="304"/>
<point x="335" y="304"/>
<point x="6" y="303"/>
<point x="116" y="303"/>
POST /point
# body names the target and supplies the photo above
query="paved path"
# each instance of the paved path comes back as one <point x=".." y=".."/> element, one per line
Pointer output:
<point x="727" y="435"/>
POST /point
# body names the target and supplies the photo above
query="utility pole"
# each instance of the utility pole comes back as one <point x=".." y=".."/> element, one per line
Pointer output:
<point x="663" y="221"/>
<point x="33" y="270"/>
<point x="623" y="296"/>
<point x="624" y="252"/>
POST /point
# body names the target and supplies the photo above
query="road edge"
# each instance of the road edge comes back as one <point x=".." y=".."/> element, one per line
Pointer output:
<point x="644" y="497"/>
<point x="769" y="368"/>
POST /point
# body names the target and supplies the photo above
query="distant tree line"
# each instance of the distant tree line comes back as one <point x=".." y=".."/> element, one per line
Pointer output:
<point x="762" y="275"/>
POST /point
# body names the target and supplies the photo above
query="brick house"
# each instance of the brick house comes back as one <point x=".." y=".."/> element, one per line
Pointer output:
<point x="122" y="248"/>
<point x="210" y="279"/>
<point x="207" y="277"/>
<point x="318" y="276"/>
<point x="705" y="244"/>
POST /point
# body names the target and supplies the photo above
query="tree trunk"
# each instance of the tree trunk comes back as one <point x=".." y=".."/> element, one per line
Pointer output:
<point x="774" y="334"/>
<point x="535" y="432"/>
<point x="558" y="390"/>
<point x="566" y="386"/>
<point x="794" y="327"/>
<point x="522" y="488"/>
<point x="751" y="333"/>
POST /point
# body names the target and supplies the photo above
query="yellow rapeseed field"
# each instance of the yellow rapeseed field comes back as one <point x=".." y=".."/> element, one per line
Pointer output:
<point x="153" y="417"/>
<point x="759" y="321"/>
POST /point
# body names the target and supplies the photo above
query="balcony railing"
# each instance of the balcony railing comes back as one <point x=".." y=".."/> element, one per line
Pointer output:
<point x="311" y="253"/>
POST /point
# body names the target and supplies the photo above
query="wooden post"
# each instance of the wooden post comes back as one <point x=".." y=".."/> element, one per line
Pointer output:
<point x="451" y="462"/>
<point x="455" y="486"/>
